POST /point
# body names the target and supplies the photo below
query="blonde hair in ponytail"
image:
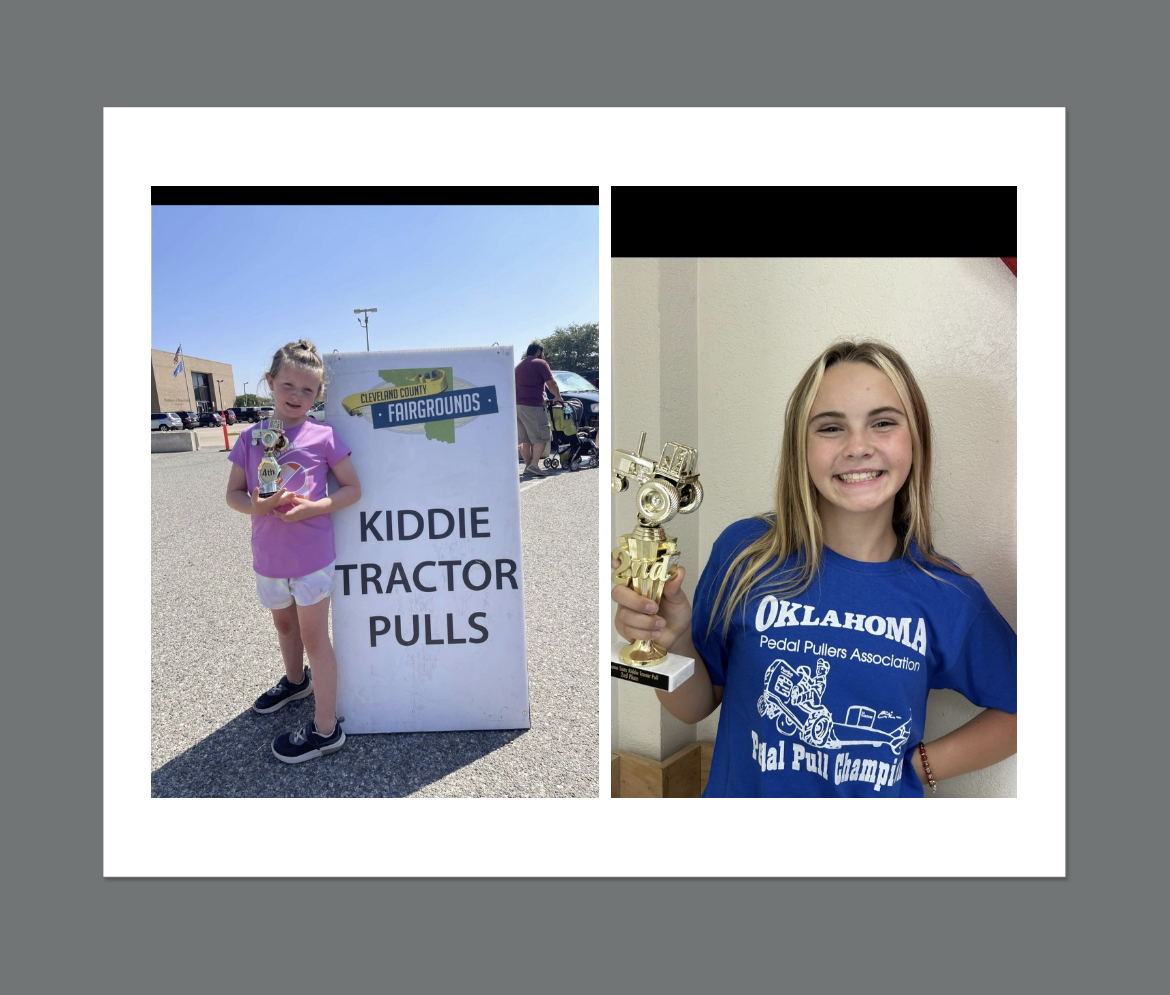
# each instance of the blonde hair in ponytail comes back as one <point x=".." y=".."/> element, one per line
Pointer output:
<point x="302" y="355"/>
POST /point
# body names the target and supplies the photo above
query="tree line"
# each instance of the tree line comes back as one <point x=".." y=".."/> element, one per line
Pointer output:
<point x="572" y="347"/>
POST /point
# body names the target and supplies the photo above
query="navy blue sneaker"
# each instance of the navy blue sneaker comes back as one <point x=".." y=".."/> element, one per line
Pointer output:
<point x="281" y="694"/>
<point x="307" y="744"/>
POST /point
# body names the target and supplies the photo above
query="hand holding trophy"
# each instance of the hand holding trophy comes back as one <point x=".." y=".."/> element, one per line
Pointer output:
<point x="647" y="556"/>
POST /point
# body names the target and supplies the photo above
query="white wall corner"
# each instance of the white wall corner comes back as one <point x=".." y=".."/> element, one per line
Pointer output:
<point x="655" y="388"/>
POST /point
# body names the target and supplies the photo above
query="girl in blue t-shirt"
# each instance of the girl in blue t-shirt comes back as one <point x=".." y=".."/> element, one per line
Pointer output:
<point x="821" y="627"/>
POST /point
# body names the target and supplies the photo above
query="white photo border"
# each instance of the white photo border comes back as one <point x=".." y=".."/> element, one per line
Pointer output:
<point x="409" y="837"/>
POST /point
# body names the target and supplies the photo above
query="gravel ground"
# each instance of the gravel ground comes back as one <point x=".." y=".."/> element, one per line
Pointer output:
<point x="213" y="651"/>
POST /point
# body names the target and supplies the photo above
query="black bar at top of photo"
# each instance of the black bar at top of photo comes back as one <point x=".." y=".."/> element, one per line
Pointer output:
<point x="692" y="222"/>
<point x="551" y="196"/>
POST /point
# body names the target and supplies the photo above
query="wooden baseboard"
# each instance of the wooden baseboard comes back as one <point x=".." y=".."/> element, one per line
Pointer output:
<point x="705" y="747"/>
<point x="683" y="775"/>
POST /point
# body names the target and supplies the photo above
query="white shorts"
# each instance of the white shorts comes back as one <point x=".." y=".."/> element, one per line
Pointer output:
<point x="278" y="592"/>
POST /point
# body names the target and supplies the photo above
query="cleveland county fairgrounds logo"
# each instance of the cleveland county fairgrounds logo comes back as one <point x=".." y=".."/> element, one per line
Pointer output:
<point x="431" y="401"/>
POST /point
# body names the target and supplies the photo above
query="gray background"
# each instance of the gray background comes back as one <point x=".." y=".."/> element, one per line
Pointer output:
<point x="62" y="66"/>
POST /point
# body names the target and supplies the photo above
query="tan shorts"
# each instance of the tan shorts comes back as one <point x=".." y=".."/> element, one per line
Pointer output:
<point x="280" y="592"/>
<point x="532" y="424"/>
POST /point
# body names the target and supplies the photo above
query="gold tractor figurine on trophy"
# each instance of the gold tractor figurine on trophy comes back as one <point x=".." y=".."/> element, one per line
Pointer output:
<point x="667" y="488"/>
<point x="647" y="556"/>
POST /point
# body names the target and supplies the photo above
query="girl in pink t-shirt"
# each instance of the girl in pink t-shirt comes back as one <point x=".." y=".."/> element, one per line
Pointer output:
<point x="292" y="541"/>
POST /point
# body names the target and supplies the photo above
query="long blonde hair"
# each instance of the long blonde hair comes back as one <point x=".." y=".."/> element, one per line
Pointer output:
<point x="795" y="524"/>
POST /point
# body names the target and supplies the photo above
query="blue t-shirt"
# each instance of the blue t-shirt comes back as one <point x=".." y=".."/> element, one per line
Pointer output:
<point x="824" y="692"/>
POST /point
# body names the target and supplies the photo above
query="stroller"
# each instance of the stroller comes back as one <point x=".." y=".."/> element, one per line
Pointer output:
<point x="572" y="445"/>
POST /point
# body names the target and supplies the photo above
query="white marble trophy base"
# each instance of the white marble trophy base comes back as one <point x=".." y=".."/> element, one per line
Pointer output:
<point x="664" y="676"/>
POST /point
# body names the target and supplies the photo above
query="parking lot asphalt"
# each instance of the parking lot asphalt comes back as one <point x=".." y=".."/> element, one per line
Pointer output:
<point x="214" y="650"/>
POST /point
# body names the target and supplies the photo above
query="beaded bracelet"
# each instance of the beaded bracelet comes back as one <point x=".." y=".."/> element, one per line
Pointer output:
<point x="926" y="766"/>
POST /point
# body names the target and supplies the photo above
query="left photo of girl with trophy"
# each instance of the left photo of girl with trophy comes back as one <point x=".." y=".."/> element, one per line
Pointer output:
<point x="380" y="515"/>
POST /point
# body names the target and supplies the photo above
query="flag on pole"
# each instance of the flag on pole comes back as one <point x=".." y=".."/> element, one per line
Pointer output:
<point x="178" y="360"/>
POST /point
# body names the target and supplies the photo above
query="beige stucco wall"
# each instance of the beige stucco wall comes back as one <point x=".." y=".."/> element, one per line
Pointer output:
<point x="707" y="352"/>
<point x="170" y="393"/>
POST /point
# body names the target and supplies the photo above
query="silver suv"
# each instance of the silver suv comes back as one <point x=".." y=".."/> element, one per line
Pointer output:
<point x="165" y="421"/>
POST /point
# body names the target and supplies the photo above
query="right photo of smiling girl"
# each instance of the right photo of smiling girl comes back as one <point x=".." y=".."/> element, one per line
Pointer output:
<point x="847" y="589"/>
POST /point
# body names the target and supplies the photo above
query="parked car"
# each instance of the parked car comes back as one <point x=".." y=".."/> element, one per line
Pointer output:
<point x="266" y="412"/>
<point x="210" y="419"/>
<point x="230" y="416"/>
<point x="574" y="385"/>
<point x="189" y="418"/>
<point x="165" y="421"/>
<point x="245" y="414"/>
<point x="317" y="411"/>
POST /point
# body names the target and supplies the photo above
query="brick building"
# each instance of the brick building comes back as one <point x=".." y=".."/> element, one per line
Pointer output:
<point x="195" y="389"/>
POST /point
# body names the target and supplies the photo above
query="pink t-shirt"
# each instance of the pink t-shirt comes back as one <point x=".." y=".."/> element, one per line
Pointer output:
<point x="293" y="549"/>
<point x="531" y="374"/>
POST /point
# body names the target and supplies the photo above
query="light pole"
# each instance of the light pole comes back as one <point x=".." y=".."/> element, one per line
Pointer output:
<point x="367" y="311"/>
<point x="245" y="391"/>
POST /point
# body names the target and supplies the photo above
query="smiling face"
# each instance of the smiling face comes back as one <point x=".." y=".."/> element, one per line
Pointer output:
<point x="294" y="391"/>
<point x="859" y="445"/>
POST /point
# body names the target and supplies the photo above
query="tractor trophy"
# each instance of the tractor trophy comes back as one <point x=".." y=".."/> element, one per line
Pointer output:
<point x="274" y="441"/>
<point x="647" y="556"/>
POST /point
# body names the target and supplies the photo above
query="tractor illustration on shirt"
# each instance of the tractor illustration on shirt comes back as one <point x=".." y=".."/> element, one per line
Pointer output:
<point x="793" y="699"/>
<point x="792" y="696"/>
<point x="667" y="488"/>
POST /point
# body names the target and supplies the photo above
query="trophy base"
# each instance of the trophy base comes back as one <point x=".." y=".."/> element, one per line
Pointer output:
<point x="666" y="675"/>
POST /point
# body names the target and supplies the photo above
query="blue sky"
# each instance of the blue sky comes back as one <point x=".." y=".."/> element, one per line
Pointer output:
<point x="233" y="284"/>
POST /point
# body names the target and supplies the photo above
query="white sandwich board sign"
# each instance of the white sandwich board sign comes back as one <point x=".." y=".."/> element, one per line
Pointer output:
<point x="428" y="597"/>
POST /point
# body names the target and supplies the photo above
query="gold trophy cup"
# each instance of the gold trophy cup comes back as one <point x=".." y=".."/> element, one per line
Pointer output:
<point x="647" y="556"/>
<point x="274" y="441"/>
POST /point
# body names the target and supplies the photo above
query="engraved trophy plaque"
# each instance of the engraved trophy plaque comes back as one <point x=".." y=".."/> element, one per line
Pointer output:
<point x="647" y="556"/>
<point x="274" y="441"/>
